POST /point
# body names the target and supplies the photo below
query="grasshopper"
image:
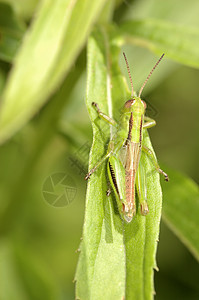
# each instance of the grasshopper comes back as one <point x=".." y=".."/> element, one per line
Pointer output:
<point x="125" y="171"/>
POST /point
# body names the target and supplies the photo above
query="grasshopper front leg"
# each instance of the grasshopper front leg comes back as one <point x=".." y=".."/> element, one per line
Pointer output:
<point x="112" y="122"/>
<point x="148" y="122"/>
<point x="103" y="116"/>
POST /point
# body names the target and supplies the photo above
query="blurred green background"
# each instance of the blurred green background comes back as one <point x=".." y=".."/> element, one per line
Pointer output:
<point x="39" y="240"/>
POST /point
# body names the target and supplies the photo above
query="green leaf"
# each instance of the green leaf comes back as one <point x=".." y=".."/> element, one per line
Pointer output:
<point x="49" y="49"/>
<point x="116" y="259"/>
<point x="179" y="43"/>
<point x="100" y="262"/>
<point x="11" y="33"/>
<point x="181" y="209"/>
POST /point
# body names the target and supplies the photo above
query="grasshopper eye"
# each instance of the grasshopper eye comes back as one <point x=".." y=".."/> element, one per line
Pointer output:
<point x="129" y="103"/>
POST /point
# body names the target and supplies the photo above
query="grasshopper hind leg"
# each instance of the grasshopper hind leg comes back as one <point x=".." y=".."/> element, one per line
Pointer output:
<point x="155" y="163"/>
<point x="142" y="189"/>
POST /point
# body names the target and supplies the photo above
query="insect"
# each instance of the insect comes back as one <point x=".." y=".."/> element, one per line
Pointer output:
<point x="125" y="171"/>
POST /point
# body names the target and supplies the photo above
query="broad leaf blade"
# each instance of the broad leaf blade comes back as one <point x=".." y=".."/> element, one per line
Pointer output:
<point x="179" y="43"/>
<point x="116" y="259"/>
<point x="181" y="209"/>
<point x="102" y="257"/>
<point x="49" y="50"/>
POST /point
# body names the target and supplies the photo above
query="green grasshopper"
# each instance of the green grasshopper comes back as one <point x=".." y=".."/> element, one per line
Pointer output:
<point x="125" y="171"/>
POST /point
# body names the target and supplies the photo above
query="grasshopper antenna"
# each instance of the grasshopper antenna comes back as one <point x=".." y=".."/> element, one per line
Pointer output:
<point x="159" y="60"/>
<point x="128" y="69"/>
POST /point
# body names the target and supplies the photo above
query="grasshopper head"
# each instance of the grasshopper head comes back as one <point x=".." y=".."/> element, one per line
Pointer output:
<point x="134" y="105"/>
